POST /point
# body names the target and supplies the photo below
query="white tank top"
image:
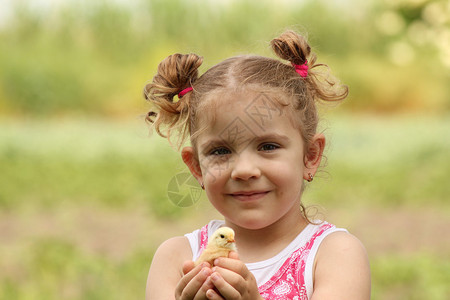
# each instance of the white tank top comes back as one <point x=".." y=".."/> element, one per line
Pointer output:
<point x="264" y="270"/>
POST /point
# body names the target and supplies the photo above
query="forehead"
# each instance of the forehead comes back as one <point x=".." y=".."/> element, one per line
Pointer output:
<point x="242" y="114"/>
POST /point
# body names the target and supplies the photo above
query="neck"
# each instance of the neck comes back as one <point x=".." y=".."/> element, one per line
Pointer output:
<point x="259" y="244"/>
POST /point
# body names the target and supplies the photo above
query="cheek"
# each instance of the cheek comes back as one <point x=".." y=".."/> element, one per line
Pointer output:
<point x="214" y="168"/>
<point x="287" y="170"/>
<point x="287" y="176"/>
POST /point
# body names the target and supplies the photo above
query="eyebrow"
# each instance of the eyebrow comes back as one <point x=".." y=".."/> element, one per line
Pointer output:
<point x="272" y="136"/>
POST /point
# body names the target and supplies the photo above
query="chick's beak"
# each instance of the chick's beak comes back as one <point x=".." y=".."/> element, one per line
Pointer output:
<point x="231" y="241"/>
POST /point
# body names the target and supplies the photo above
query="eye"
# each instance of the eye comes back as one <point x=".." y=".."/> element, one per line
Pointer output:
<point x="222" y="236"/>
<point x="268" y="147"/>
<point x="220" y="151"/>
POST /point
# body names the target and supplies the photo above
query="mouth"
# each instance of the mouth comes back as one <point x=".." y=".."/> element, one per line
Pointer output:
<point x="249" y="195"/>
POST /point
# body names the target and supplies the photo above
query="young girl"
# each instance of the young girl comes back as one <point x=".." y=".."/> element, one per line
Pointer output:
<point x="252" y="125"/>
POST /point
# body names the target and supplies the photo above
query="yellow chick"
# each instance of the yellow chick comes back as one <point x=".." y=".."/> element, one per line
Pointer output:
<point x="219" y="245"/>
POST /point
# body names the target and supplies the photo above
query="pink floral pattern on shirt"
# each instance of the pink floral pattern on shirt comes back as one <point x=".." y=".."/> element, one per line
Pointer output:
<point x="203" y="238"/>
<point x="289" y="281"/>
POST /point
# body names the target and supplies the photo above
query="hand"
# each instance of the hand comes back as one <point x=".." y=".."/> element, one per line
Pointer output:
<point x="232" y="280"/>
<point x="195" y="282"/>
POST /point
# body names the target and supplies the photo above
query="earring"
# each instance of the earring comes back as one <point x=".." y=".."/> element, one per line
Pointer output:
<point x="311" y="177"/>
<point x="202" y="185"/>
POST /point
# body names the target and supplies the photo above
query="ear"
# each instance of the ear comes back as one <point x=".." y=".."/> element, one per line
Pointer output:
<point x="313" y="155"/>
<point x="189" y="157"/>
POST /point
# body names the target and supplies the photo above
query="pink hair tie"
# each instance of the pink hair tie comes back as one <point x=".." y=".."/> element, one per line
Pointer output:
<point x="301" y="69"/>
<point x="184" y="92"/>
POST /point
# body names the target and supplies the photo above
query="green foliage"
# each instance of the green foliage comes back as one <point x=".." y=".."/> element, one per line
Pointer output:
<point x="393" y="161"/>
<point x="412" y="277"/>
<point x="101" y="162"/>
<point x="55" y="269"/>
<point x="94" y="57"/>
<point x="49" y="166"/>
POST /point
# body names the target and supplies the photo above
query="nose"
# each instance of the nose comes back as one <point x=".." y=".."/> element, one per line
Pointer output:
<point x="245" y="167"/>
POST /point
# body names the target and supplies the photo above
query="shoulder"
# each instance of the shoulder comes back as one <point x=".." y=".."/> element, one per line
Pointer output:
<point x="166" y="267"/>
<point x="173" y="251"/>
<point x="342" y="244"/>
<point x="341" y="269"/>
<point x="173" y="248"/>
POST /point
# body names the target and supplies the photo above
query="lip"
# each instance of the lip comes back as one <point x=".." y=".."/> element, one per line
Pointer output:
<point x="249" y="195"/>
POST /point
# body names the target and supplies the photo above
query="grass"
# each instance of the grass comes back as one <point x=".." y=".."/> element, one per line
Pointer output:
<point x="83" y="162"/>
<point x="83" y="202"/>
<point x="414" y="277"/>
<point x="55" y="269"/>
<point x="394" y="162"/>
<point x="391" y="161"/>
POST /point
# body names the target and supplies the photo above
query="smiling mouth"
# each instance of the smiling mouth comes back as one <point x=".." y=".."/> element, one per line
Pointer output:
<point x="248" y="196"/>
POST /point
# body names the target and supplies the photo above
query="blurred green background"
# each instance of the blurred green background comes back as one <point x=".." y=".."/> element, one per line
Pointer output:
<point x="83" y="186"/>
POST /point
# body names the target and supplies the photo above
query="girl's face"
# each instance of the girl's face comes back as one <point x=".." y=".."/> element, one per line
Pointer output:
<point x="251" y="161"/>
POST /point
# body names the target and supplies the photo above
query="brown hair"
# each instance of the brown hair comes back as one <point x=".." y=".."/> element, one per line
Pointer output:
<point x="178" y="71"/>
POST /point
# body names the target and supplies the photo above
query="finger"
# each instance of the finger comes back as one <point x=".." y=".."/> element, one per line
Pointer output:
<point x="190" y="274"/>
<point x="233" y="255"/>
<point x="232" y="264"/>
<point x="192" y="281"/>
<point x="188" y="266"/>
<point x="236" y="280"/>
<point x="211" y="294"/>
<point x="244" y="284"/>
<point x="202" y="292"/>
<point x="225" y="289"/>
<point x="193" y="289"/>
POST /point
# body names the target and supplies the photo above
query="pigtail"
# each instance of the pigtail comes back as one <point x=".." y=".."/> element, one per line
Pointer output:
<point x="294" y="48"/>
<point x="175" y="73"/>
<point x="309" y="82"/>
